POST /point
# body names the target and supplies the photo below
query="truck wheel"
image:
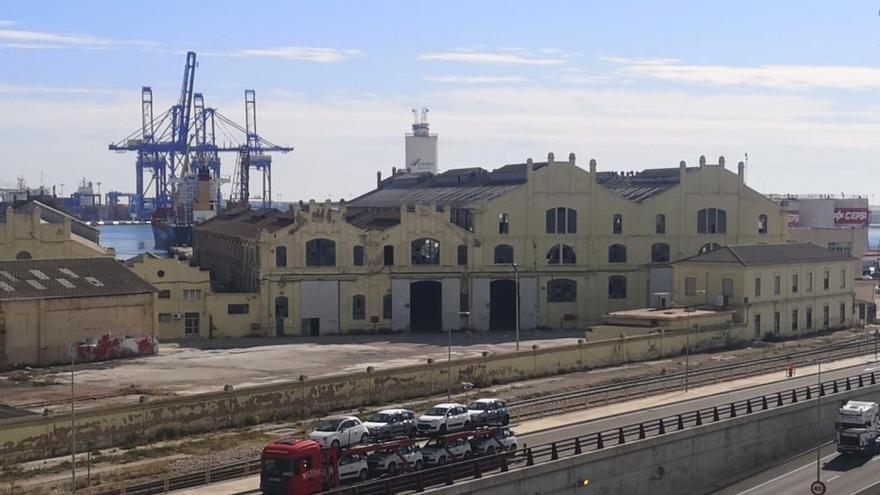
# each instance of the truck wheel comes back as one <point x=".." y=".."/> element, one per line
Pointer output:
<point x="418" y="466"/>
<point x="364" y="438"/>
<point x="362" y="476"/>
<point x="335" y="445"/>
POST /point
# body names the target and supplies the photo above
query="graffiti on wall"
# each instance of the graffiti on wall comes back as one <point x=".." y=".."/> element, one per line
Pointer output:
<point x="116" y="347"/>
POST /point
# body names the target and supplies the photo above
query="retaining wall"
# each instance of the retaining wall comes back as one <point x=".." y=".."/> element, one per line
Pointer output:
<point x="36" y="437"/>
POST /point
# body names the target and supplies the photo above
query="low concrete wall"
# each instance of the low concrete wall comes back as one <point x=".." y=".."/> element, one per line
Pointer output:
<point x="45" y="436"/>
<point x="695" y="461"/>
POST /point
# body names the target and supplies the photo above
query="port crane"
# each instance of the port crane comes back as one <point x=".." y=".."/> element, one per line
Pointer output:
<point x="184" y="139"/>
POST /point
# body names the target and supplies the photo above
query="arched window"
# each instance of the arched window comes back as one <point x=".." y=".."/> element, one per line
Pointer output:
<point x="712" y="221"/>
<point x="358" y="307"/>
<point x="503" y="254"/>
<point x="617" y="253"/>
<point x="280" y="256"/>
<point x="561" y="253"/>
<point x="357" y="255"/>
<point x="660" y="252"/>
<point x="321" y="252"/>
<point x="561" y="290"/>
<point x="762" y="224"/>
<point x="708" y="247"/>
<point x="23" y="255"/>
<point x="561" y="220"/>
<point x="617" y="287"/>
<point x="462" y="255"/>
<point x="425" y="251"/>
<point x="660" y="224"/>
<point x="617" y="223"/>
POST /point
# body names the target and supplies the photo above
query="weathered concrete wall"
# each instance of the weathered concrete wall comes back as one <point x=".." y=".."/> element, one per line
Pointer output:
<point x="696" y="461"/>
<point x="38" y="437"/>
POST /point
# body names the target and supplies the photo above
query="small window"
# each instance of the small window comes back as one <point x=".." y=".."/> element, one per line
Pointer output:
<point x="238" y="309"/>
<point x="757" y="286"/>
<point x="165" y="294"/>
<point x="160" y="273"/>
<point x="794" y="319"/>
<point x="23" y="255"/>
<point x="826" y="281"/>
<point x="464" y="302"/>
<point x="561" y="254"/>
<point x="425" y="251"/>
<point x="358" y="307"/>
<point x="809" y="281"/>
<point x="462" y="255"/>
<point x="503" y="254"/>
<point x="757" y="324"/>
<point x="842" y="313"/>
<point x="321" y="252"/>
<point x="388" y="255"/>
<point x="690" y="286"/>
<point x="357" y="255"/>
<point x="617" y="287"/>
<point x="660" y="252"/>
<point x="164" y="317"/>
<point x="711" y="221"/>
<point x="809" y="322"/>
<point x="280" y="256"/>
<point x="386" y="306"/>
<point x="660" y="224"/>
<point x="762" y="224"/>
<point x="561" y="290"/>
<point x="776" y="322"/>
<point x="843" y="278"/>
<point x="617" y="223"/>
<point x="561" y="221"/>
<point x="192" y="294"/>
<point x="794" y="283"/>
<point x="825" y="316"/>
<point x="777" y="284"/>
<point x="617" y="253"/>
<point x="503" y="223"/>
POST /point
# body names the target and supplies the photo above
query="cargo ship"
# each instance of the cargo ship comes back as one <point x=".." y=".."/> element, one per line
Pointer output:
<point x="196" y="201"/>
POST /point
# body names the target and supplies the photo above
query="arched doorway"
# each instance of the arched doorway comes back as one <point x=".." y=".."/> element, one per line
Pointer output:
<point x="502" y="305"/>
<point x="281" y="312"/>
<point x="425" y="306"/>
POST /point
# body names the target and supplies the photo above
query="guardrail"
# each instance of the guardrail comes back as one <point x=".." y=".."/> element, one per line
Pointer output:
<point x="524" y="410"/>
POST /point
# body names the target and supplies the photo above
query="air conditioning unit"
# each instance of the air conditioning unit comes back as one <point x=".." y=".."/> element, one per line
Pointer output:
<point x="176" y="316"/>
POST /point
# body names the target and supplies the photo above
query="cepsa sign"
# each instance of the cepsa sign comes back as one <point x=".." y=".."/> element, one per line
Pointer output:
<point x="851" y="216"/>
<point x="793" y="218"/>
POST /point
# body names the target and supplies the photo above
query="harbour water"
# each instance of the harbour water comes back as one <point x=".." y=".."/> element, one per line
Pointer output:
<point x="128" y="240"/>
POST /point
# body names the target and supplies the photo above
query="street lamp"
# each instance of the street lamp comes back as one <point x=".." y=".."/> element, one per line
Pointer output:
<point x="687" y="347"/>
<point x="516" y="291"/>
<point x="73" y="352"/>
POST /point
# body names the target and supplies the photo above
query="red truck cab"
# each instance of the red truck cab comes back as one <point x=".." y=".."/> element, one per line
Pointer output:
<point x="297" y="467"/>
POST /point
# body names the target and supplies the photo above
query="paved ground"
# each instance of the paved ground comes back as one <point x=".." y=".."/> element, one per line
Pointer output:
<point x="192" y="367"/>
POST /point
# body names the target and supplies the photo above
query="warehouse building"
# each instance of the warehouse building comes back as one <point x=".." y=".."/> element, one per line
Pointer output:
<point x="34" y="230"/>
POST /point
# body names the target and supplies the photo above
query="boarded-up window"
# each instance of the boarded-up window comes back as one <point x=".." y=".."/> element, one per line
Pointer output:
<point x="561" y="290"/>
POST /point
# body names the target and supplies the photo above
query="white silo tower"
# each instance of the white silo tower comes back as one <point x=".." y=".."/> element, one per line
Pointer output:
<point x="421" y="145"/>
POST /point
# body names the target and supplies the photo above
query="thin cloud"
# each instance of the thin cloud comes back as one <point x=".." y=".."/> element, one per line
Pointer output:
<point x="16" y="89"/>
<point x="476" y="79"/>
<point x="787" y="77"/>
<point x="6" y="22"/>
<point x="24" y="39"/>
<point x="516" y="57"/>
<point x="305" y="53"/>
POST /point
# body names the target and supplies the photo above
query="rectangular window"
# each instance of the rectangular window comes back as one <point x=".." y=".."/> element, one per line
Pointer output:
<point x="757" y="325"/>
<point x="776" y="322"/>
<point x="843" y="278"/>
<point x="701" y="222"/>
<point x="690" y="286"/>
<point x="164" y="317"/>
<point x="165" y="294"/>
<point x="551" y="221"/>
<point x="357" y="256"/>
<point x="192" y="294"/>
<point x="794" y="283"/>
<point x="238" y="309"/>
<point x="843" y="313"/>
<point x="281" y="256"/>
<point x="503" y="223"/>
<point x="727" y="290"/>
<point x="825" y="316"/>
<point x="617" y="223"/>
<point x="777" y="284"/>
<point x="826" y="280"/>
<point x="358" y="307"/>
<point x="757" y="286"/>
<point x="809" y="322"/>
<point x="191" y="323"/>
<point x="386" y="306"/>
<point x="794" y="319"/>
<point x="462" y="255"/>
<point x="660" y="227"/>
<point x="388" y="255"/>
<point x="572" y="220"/>
<point x="809" y="281"/>
<point x="464" y="302"/>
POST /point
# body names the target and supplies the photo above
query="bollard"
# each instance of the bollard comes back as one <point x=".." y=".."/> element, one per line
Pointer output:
<point x="477" y="473"/>
<point x="504" y="468"/>
<point x="661" y="430"/>
<point x="749" y="406"/>
<point x="577" y="445"/>
<point x="449" y="479"/>
<point x="794" y="396"/>
<point x="621" y="438"/>
<point x="732" y="410"/>
<point x="764" y="402"/>
<point x="778" y="399"/>
<point x="554" y="454"/>
<point x="680" y="422"/>
<point x="699" y="418"/>
<point x="641" y="431"/>
<point x="848" y="386"/>
<point x="715" y="415"/>
<point x="600" y="444"/>
<point x="873" y="379"/>
<point x="420" y="482"/>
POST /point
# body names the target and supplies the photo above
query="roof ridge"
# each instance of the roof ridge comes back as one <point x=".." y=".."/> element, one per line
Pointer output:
<point x="741" y="262"/>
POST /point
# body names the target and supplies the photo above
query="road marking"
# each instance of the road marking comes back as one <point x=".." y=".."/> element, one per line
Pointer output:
<point x="829" y="480"/>
<point x="811" y="464"/>
<point x="865" y="489"/>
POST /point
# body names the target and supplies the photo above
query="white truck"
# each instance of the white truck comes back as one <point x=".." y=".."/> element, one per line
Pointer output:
<point x="857" y="427"/>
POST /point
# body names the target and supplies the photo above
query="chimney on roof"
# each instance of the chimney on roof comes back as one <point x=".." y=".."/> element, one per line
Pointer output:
<point x="593" y="166"/>
<point x="378" y="179"/>
<point x="682" y="169"/>
<point x="571" y="158"/>
<point x="741" y="172"/>
<point x="393" y="171"/>
<point x="530" y="169"/>
<point x="721" y="161"/>
<point x="550" y="158"/>
<point x="702" y="161"/>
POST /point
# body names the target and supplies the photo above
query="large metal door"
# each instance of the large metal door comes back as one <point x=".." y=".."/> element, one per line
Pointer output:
<point x="400" y="304"/>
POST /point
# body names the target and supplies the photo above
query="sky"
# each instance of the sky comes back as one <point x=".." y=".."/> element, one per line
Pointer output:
<point x="633" y="84"/>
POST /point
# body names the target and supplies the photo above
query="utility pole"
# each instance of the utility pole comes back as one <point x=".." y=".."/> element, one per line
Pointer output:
<point x="819" y="424"/>
<point x="516" y="290"/>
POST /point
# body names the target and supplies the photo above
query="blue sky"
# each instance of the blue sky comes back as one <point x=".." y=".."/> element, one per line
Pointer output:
<point x="634" y="84"/>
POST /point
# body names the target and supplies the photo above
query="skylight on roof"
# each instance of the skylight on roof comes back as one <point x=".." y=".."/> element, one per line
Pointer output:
<point x="6" y="287"/>
<point x="35" y="284"/>
<point x="8" y="276"/>
<point x="40" y="275"/>
<point x="65" y="283"/>
<point x="95" y="282"/>
<point x="67" y="271"/>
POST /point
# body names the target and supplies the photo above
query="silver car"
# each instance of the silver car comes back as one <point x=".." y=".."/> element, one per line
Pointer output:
<point x="439" y="451"/>
<point x="392" y="461"/>
<point x="498" y="441"/>
<point x="391" y="423"/>
<point x="489" y="412"/>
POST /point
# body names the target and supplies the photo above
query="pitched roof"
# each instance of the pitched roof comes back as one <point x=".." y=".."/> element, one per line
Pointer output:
<point x="639" y="186"/>
<point x="65" y="278"/>
<point x="769" y="254"/>
<point x="245" y="222"/>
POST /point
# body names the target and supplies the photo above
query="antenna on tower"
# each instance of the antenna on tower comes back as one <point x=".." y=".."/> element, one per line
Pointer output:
<point x="746" y="168"/>
<point x="415" y="112"/>
<point x="424" y="115"/>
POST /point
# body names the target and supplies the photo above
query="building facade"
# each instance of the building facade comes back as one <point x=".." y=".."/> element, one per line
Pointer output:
<point x="778" y="290"/>
<point x="49" y="307"/>
<point x="37" y="231"/>
<point x="428" y="253"/>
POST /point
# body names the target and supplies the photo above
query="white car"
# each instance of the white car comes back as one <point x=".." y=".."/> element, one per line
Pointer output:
<point x="439" y="451"/>
<point x="392" y="423"/>
<point x="394" y="460"/>
<point x="340" y="431"/>
<point x="353" y="468"/>
<point x="445" y="418"/>
<point x="499" y="441"/>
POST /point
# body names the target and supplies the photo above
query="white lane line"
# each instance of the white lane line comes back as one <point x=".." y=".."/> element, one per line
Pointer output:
<point x="784" y="475"/>
<point x="829" y="480"/>
<point x="865" y="489"/>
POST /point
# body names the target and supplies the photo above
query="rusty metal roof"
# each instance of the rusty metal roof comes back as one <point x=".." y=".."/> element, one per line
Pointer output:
<point x="68" y="278"/>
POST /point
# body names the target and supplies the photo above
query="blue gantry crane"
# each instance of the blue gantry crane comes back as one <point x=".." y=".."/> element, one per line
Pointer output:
<point x="184" y="139"/>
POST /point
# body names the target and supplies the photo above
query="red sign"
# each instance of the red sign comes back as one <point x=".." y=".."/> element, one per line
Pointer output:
<point x="793" y="217"/>
<point x="851" y="216"/>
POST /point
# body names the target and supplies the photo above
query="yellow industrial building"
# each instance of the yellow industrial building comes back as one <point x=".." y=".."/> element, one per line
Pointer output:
<point x="37" y="231"/>
<point x="425" y="252"/>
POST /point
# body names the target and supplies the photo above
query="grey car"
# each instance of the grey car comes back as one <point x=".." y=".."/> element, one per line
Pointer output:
<point x="485" y="412"/>
<point x="392" y="423"/>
